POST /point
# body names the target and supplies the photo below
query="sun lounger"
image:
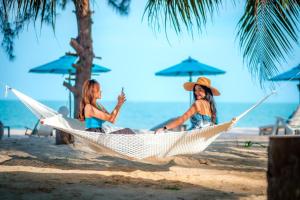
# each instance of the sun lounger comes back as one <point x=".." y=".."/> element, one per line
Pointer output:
<point x="289" y="126"/>
<point x="39" y="130"/>
<point x="273" y="129"/>
<point x="2" y="128"/>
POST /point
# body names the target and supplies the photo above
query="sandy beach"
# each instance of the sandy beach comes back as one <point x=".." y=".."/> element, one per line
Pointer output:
<point x="35" y="168"/>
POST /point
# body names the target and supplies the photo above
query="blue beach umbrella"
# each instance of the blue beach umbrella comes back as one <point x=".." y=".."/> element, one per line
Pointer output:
<point x="190" y="67"/>
<point x="63" y="66"/>
<point x="291" y="75"/>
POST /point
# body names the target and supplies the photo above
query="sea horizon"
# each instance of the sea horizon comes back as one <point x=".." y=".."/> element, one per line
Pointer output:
<point x="145" y="115"/>
<point x="157" y="101"/>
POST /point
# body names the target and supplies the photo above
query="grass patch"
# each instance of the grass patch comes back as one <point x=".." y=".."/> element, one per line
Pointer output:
<point x="172" y="187"/>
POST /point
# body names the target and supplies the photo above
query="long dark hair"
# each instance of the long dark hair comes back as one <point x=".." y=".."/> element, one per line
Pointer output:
<point x="87" y="96"/>
<point x="210" y="98"/>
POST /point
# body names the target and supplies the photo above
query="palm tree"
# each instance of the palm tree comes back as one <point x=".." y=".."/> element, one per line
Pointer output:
<point x="16" y="14"/>
<point x="266" y="31"/>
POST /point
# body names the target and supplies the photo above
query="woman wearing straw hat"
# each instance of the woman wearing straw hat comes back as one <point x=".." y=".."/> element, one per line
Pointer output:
<point x="203" y="111"/>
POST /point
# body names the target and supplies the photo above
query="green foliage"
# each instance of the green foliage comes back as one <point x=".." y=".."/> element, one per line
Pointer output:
<point x="172" y="187"/>
<point x="266" y="31"/>
<point x="251" y="144"/>
<point x="187" y="13"/>
<point x="16" y="14"/>
<point x="121" y="6"/>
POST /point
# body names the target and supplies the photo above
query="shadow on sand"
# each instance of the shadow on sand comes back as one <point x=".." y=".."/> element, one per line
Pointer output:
<point x="24" y="185"/>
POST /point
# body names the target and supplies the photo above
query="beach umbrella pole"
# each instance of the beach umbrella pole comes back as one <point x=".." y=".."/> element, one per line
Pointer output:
<point x="190" y="80"/>
<point x="70" y="96"/>
<point x="299" y="90"/>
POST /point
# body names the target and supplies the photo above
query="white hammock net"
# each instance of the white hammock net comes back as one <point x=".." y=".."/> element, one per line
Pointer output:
<point x="143" y="144"/>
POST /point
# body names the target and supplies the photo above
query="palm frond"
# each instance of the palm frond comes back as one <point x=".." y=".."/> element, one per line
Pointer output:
<point x="178" y="14"/>
<point x="64" y="4"/>
<point x="267" y="31"/>
<point x="45" y="9"/>
<point x="120" y="6"/>
<point x="16" y="14"/>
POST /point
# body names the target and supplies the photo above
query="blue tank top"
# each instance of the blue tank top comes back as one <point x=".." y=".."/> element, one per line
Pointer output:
<point x="92" y="122"/>
<point x="199" y="121"/>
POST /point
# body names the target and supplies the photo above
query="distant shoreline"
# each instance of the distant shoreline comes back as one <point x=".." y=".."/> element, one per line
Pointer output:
<point x="143" y="101"/>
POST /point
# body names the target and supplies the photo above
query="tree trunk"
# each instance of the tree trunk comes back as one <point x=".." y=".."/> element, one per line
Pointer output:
<point x="63" y="137"/>
<point x="84" y="49"/>
<point x="284" y="168"/>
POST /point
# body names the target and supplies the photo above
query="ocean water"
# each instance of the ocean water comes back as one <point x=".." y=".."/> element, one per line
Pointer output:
<point x="145" y="115"/>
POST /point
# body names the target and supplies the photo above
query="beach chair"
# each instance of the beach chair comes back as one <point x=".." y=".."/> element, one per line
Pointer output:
<point x="273" y="129"/>
<point x="39" y="130"/>
<point x="32" y="131"/>
<point x="2" y="128"/>
<point x="290" y="126"/>
<point x="43" y="130"/>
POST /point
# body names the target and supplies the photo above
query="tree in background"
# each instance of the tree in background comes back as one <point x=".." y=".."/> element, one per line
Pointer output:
<point x="16" y="14"/>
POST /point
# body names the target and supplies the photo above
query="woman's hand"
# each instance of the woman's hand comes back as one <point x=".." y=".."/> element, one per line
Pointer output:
<point x="160" y="130"/>
<point x="121" y="99"/>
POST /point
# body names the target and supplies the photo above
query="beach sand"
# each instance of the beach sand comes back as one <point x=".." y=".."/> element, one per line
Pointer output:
<point x="35" y="168"/>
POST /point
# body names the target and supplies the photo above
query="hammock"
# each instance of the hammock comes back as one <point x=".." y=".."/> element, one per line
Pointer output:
<point x="144" y="144"/>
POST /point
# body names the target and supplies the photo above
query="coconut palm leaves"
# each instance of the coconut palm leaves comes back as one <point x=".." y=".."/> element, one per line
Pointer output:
<point x="175" y="13"/>
<point x="121" y="7"/>
<point x="266" y="31"/>
<point x="46" y="9"/>
<point x="15" y="14"/>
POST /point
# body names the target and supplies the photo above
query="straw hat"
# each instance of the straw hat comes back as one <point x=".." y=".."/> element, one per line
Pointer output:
<point x="201" y="81"/>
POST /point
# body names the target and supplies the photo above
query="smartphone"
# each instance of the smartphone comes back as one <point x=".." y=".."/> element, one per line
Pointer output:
<point x="122" y="91"/>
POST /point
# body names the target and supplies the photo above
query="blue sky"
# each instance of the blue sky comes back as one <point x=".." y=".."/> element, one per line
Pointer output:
<point x="135" y="52"/>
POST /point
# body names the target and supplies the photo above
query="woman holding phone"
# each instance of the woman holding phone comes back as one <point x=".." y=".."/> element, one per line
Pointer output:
<point x="93" y="113"/>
